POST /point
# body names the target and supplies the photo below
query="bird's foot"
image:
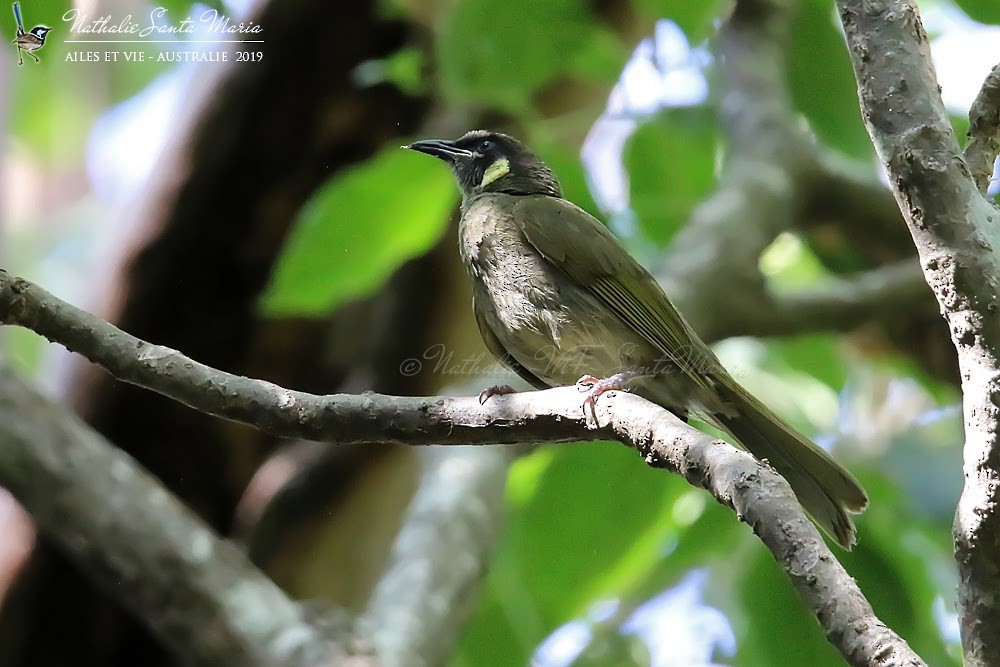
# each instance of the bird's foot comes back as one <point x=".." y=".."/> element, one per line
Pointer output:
<point x="595" y="387"/>
<point x="495" y="390"/>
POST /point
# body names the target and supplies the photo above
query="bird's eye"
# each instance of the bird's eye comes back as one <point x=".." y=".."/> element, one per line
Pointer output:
<point x="485" y="146"/>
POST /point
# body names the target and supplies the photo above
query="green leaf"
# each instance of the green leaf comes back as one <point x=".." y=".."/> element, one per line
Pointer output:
<point x="404" y="68"/>
<point x="694" y="18"/>
<point x="714" y="532"/>
<point x="603" y="59"/>
<point x="789" y="264"/>
<point x="584" y="512"/>
<point x="984" y="11"/>
<point x="357" y="229"/>
<point x="670" y="161"/>
<point x="500" y="52"/>
<point x="819" y="355"/>
<point x="23" y="348"/>
<point x="795" y="378"/>
<point x="960" y="124"/>
<point x="586" y="523"/>
<point x="57" y="122"/>
<point x="822" y="81"/>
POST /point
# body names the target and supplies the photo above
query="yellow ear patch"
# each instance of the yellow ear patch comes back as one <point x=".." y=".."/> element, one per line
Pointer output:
<point x="498" y="169"/>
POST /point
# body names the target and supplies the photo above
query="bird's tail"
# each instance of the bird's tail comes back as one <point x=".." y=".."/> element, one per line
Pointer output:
<point x="824" y="488"/>
<point x="18" y="19"/>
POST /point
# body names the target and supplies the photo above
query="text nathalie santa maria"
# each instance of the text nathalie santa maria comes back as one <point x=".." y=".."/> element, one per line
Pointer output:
<point x="211" y="22"/>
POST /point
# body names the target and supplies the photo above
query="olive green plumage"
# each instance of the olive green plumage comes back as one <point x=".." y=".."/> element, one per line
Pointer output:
<point x="557" y="297"/>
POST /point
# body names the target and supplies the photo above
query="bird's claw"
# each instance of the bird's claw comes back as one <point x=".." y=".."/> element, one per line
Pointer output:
<point x="595" y="387"/>
<point x="495" y="390"/>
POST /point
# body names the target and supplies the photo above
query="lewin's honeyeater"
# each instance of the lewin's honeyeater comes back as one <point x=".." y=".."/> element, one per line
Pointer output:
<point x="556" y="297"/>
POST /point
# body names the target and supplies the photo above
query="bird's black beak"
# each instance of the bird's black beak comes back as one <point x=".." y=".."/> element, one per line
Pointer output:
<point x="441" y="149"/>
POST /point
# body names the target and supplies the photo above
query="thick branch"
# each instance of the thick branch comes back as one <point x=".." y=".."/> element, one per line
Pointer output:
<point x="851" y="216"/>
<point x="839" y="191"/>
<point x="757" y="197"/>
<point x="760" y="496"/>
<point x="776" y="178"/>
<point x="984" y="131"/>
<point x="342" y="418"/>
<point x="421" y="605"/>
<point x="198" y="592"/>
<point x="840" y="304"/>
<point x="954" y="230"/>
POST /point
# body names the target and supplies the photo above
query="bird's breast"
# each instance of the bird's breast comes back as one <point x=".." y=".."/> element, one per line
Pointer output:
<point x="550" y="325"/>
<point x="508" y="273"/>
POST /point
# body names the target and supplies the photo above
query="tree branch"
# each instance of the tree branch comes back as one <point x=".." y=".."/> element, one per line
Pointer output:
<point x="776" y="178"/>
<point x="984" y="131"/>
<point x="838" y="191"/>
<point x="757" y="198"/>
<point x="760" y="496"/>
<point x="954" y="230"/>
<point x="420" y="606"/>
<point x="851" y="217"/>
<point x="840" y="304"/>
<point x="198" y="592"/>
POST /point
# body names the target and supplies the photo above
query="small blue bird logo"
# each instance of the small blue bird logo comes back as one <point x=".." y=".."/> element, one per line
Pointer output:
<point x="28" y="41"/>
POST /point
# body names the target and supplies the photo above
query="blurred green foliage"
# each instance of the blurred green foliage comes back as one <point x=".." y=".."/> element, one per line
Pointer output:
<point x="67" y="97"/>
<point x="358" y="229"/>
<point x="694" y="18"/>
<point x="983" y="11"/>
<point x="564" y="551"/>
<point x="822" y="81"/>
<point x="590" y="526"/>
<point x="501" y="52"/>
<point x="675" y="147"/>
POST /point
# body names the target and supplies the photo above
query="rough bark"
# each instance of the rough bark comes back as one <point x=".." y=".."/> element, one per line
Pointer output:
<point x="955" y="232"/>
<point x="195" y="591"/>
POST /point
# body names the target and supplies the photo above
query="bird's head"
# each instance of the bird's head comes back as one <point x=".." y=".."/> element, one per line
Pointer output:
<point x="485" y="161"/>
<point x="40" y="31"/>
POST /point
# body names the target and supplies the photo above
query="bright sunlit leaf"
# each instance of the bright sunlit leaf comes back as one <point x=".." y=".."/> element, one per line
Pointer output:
<point x="358" y="229"/>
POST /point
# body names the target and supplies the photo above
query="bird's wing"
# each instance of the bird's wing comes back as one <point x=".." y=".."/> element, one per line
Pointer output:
<point x="579" y="245"/>
<point x="497" y="349"/>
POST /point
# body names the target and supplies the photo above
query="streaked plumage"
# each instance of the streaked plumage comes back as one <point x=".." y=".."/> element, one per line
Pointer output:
<point x="557" y="297"/>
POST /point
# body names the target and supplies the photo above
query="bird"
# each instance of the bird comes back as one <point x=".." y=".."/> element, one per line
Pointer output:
<point x="560" y="301"/>
<point x="28" y="41"/>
